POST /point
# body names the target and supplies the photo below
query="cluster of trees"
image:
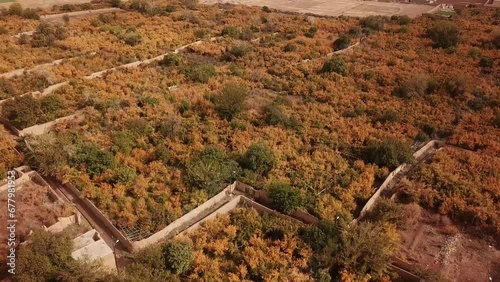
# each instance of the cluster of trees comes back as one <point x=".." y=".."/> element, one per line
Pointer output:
<point x="9" y="157"/>
<point x="201" y="132"/>
<point x="462" y="184"/>
<point x="316" y="133"/>
<point x="25" y="111"/>
<point x="389" y="153"/>
<point x="47" y="257"/>
<point x="241" y="246"/>
<point x="46" y="35"/>
<point x="16" y="9"/>
<point x="246" y="245"/>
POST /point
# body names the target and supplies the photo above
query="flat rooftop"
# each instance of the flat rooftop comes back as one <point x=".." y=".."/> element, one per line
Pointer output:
<point x="90" y="246"/>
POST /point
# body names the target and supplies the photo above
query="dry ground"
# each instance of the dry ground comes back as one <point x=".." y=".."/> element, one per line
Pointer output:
<point x="34" y="208"/>
<point x="352" y="8"/>
<point x="432" y="241"/>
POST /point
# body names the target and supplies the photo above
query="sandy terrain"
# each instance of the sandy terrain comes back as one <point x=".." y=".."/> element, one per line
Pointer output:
<point x="352" y="8"/>
<point x="432" y="241"/>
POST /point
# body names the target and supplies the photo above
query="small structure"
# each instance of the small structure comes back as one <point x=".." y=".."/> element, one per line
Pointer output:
<point x="90" y="246"/>
<point x="62" y="223"/>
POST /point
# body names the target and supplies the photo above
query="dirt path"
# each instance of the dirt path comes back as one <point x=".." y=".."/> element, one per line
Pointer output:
<point x="417" y="238"/>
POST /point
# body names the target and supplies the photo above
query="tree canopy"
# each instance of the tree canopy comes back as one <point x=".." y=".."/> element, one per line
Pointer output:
<point x="285" y="198"/>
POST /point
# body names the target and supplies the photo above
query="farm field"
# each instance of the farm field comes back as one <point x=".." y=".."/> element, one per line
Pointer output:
<point x="160" y="121"/>
<point x="316" y="111"/>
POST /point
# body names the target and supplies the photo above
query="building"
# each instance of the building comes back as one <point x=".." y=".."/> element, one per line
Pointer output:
<point x="90" y="246"/>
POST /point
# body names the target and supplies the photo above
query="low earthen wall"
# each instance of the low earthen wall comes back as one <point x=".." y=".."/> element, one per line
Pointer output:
<point x="417" y="155"/>
<point x="185" y="221"/>
<point x="262" y="197"/>
<point x="228" y="207"/>
<point x="369" y="205"/>
<point x="111" y="227"/>
<point x="39" y="180"/>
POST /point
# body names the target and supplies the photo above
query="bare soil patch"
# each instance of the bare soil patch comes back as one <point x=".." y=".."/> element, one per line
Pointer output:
<point x="336" y="8"/>
<point x="34" y="208"/>
<point x="432" y="241"/>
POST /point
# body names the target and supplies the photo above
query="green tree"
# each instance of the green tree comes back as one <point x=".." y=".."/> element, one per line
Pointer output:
<point x="47" y="257"/>
<point x="496" y="39"/>
<point x="123" y="141"/>
<point x="210" y="169"/>
<point x="342" y="42"/>
<point x="232" y="31"/>
<point x="31" y="14"/>
<point x="259" y="158"/>
<point x="116" y="3"/>
<point x="417" y="84"/>
<point x="335" y="64"/>
<point x="386" y="210"/>
<point x="171" y="60"/>
<point x="60" y="33"/>
<point x="190" y="4"/>
<point x="66" y="19"/>
<point x="131" y="38"/>
<point x="390" y="153"/>
<point x="200" y="72"/>
<point x="15" y="9"/>
<point x="46" y="34"/>
<point x="311" y="32"/>
<point x="178" y="256"/>
<point x="274" y="115"/>
<point x="366" y="248"/>
<point x="325" y="234"/>
<point x="152" y="256"/>
<point x="138" y="126"/>
<point x="401" y="20"/>
<point x="486" y="62"/>
<point x="285" y="198"/>
<point x="96" y="161"/>
<point x="142" y="6"/>
<point x="496" y="120"/>
<point x="23" y="111"/>
<point x="290" y="47"/>
<point x="456" y="85"/>
<point x="6" y="89"/>
<point x="240" y="49"/>
<point x="125" y="175"/>
<point x="231" y="101"/>
<point x="443" y="34"/>
<point x="374" y="22"/>
<point x="51" y="105"/>
<point x="48" y="153"/>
